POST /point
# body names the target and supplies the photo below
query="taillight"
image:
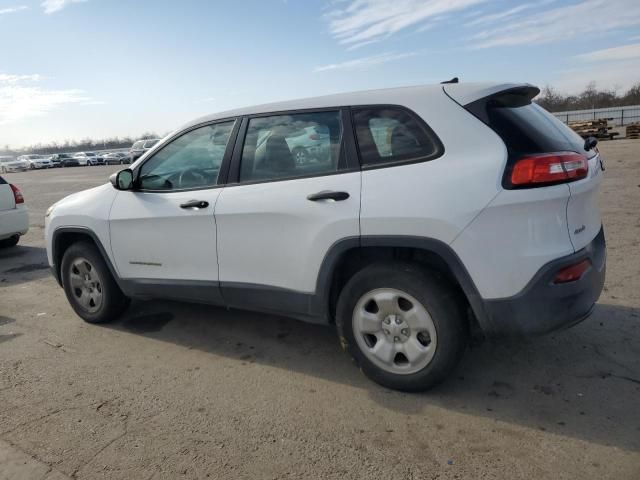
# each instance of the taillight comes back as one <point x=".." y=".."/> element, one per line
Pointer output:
<point x="17" y="194"/>
<point x="572" y="272"/>
<point x="549" y="168"/>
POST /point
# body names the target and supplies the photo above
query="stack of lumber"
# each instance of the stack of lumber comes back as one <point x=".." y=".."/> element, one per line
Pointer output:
<point x="594" y="128"/>
<point x="633" y="130"/>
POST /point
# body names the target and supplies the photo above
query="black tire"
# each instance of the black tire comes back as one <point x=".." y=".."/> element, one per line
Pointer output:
<point x="32" y="167"/>
<point x="442" y="302"/>
<point x="10" y="242"/>
<point x="113" y="303"/>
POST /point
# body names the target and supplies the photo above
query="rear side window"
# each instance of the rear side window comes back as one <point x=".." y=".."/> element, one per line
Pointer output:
<point x="526" y="128"/>
<point x="391" y="134"/>
<point x="289" y="146"/>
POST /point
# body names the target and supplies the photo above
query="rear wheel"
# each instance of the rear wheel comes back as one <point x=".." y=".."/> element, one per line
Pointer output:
<point x="404" y="326"/>
<point x="89" y="285"/>
<point x="10" y="242"/>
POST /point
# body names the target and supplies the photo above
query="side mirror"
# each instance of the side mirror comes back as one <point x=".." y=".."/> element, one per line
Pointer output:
<point x="122" y="180"/>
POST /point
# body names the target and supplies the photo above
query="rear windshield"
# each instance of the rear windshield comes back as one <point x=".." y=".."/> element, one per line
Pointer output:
<point x="525" y="127"/>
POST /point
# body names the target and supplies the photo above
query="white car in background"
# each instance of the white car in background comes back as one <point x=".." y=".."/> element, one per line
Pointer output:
<point x="83" y="159"/>
<point x="14" y="218"/>
<point x="36" y="161"/>
<point x="11" y="164"/>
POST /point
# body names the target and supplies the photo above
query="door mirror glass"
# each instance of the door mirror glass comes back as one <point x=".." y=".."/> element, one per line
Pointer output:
<point x="122" y="180"/>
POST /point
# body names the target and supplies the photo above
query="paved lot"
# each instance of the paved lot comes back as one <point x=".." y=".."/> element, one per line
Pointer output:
<point x="186" y="391"/>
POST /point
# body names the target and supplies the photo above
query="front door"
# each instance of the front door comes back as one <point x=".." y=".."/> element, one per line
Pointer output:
<point x="164" y="232"/>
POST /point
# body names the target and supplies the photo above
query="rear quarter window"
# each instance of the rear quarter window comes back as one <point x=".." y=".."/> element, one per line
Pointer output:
<point x="388" y="135"/>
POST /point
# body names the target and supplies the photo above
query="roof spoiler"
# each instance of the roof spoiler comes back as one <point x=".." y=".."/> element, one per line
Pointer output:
<point x="466" y="93"/>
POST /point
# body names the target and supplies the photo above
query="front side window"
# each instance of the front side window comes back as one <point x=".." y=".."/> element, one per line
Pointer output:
<point x="287" y="146"/>
<point x="190" y="161"/>
<point x="388" y="134"/>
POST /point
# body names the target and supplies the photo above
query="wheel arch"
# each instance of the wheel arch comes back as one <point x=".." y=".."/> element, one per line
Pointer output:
<point x="64" y="237"/>
<point x="348" y="256"/>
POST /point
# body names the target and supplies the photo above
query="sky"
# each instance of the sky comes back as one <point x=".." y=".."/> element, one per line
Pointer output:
<point x="72" y="69"/>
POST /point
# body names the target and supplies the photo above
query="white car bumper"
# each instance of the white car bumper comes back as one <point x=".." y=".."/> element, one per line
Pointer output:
<point x="14" y="221"/>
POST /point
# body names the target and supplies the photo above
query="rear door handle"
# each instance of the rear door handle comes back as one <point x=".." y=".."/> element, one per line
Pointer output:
<point x="328" y="195"/>
<point x="195" y="204"/>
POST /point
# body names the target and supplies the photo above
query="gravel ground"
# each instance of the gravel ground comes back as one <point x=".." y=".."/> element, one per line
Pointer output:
<point x="184" y="391"/>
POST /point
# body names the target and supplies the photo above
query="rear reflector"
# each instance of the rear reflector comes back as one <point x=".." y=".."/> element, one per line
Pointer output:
<point x="572" y="273"/>
<point x="17" y="194"/>
<point x="549" y="168"/>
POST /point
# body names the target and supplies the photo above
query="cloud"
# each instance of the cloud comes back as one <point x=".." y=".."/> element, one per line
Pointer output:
<point x="5" y="78"/>
<point x="586" y="19"/>
<point x="620" y="74"/>
<point x="13" y="9"/>
<point x="359" y="22"/>
<point x="493" y="17"/>
<point x="52" y="6"/>
<point x="623" y="52"/>
<point x="365" y="62"/>
<point x="19" y="99"/>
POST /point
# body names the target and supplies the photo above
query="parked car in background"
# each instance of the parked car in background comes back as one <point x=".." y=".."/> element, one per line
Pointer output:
<point x="36" y="161"/>
<point x="140" y="147"/>
<point x="116" y="158"/>
<point x="55" y="160"/>
<point x="11" y="164"/>
<point x="14" y="218"/>
<point x="436" y="212"/>
<point x="65" y="160"/>
<point x="94" y="158"/>
<point x="82" y="158"/>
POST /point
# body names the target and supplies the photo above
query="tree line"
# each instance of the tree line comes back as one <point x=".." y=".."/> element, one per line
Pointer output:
<point x="72" y="146"/>
<point x="591" y="97"/>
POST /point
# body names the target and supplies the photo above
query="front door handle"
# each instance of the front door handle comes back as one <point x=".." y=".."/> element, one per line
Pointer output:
<point x="195" y="204"/>
<point x="328" y="195"/>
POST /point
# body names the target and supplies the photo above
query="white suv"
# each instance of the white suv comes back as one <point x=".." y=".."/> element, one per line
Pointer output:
<point x="435" y="211"/>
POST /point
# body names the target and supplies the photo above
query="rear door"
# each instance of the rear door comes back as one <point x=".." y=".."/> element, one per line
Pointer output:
<point x="278" y="217"/>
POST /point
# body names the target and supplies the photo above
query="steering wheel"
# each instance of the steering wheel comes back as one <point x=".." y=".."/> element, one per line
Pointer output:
<point x="192" y="177"/>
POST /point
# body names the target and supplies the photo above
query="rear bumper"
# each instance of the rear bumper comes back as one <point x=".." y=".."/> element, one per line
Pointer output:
<point x="14" y="222"/>
<point x="543" y="306"/>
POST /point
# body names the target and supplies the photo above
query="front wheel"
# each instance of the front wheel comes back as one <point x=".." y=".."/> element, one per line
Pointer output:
<point x="89" y="285"/>
<point x="404" y="326"/>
